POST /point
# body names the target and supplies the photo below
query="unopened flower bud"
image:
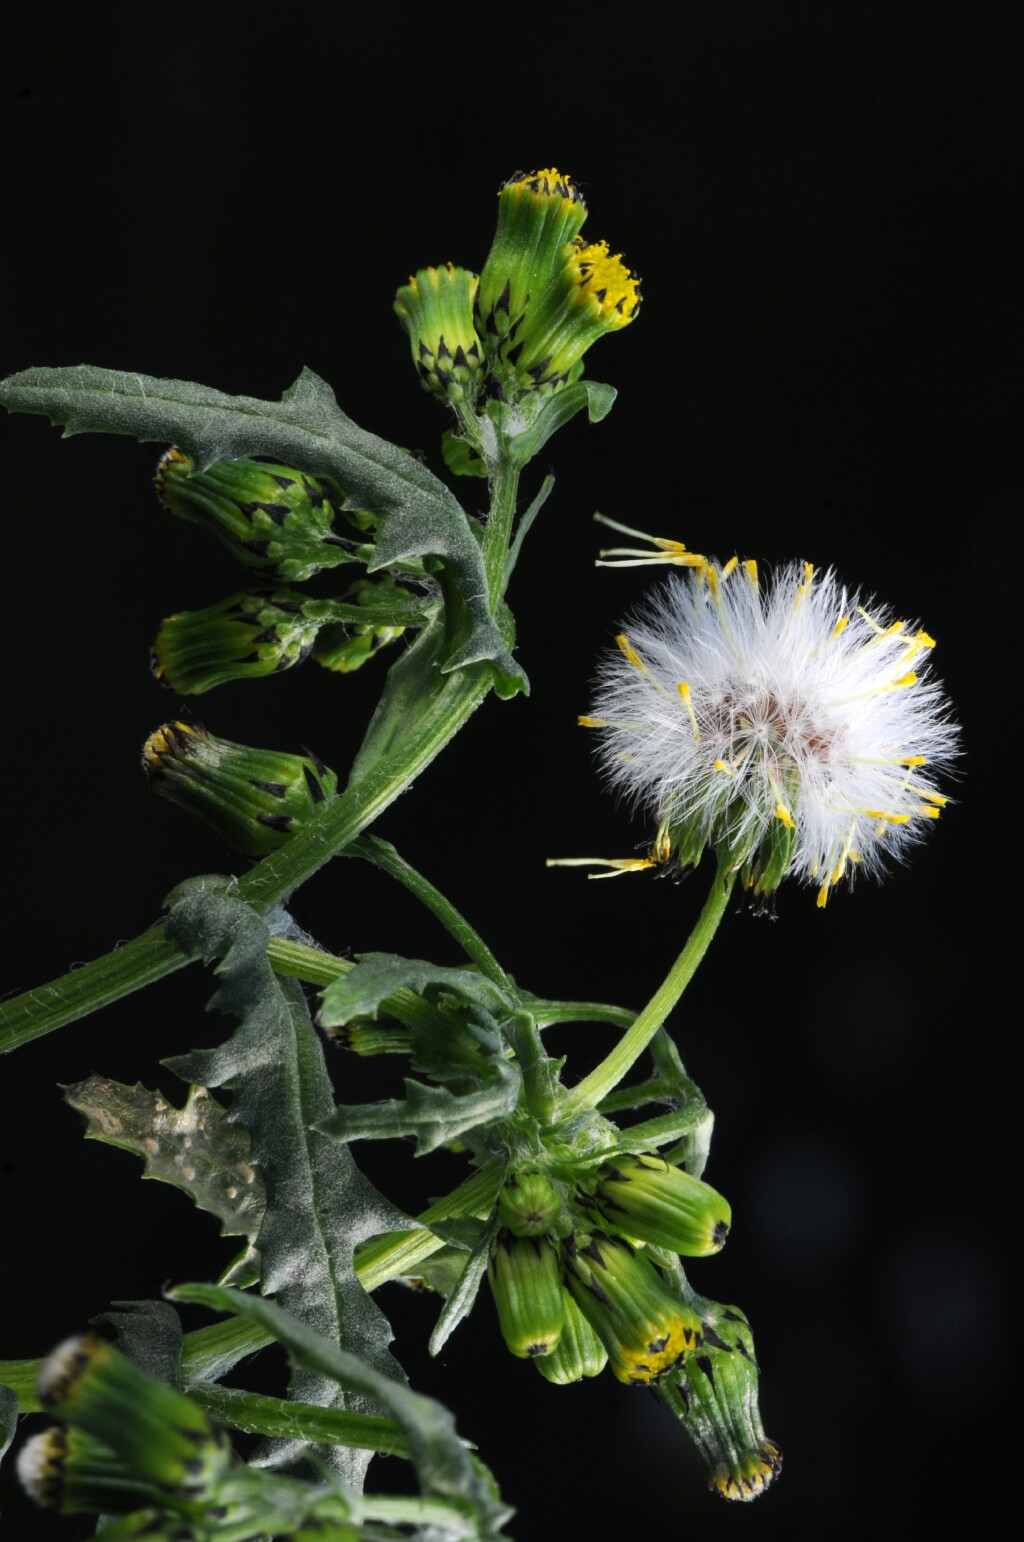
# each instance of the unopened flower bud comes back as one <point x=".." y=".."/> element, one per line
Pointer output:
<point x="526" y="1281"/>
<point x="245" y="636"/>
<point x="268" y="516"/>
<point x="715" y="1399"/>
<point x="255" y="799"/>
<point x="578" y="1353"/>
<point x="369" y="1036"/>
<point x="592" y="292"/>
<point x="67" y="1470"/>
<point x="643" y="1197"/>
<point x="160" y="1435"/>
<point x="436" y="310"/>
<point x="645" y="1328"/>
<point x="539" y="213"/>
<point x="529" y="1205"/>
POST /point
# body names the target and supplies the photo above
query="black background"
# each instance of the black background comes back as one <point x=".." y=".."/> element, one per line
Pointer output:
<point x="819" y="200"/>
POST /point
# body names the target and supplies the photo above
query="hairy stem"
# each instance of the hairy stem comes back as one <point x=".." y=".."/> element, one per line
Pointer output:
<point x="153" y="955"/>
<point x="383" y="855"/>
<point x="504" y="486"/>
<point x="277" y="1417"/>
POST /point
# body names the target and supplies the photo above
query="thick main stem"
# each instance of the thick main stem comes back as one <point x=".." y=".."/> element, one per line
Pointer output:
<point x="589" y="1092"/>
<point x="504" y="486"/>
<point x="153" y="955"/>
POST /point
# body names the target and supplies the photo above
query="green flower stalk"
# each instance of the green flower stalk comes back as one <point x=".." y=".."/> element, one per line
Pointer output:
<point x="578" y="1353"/>
<point x="528" y="1204"/>
<point x="346" y="646"/>
<point x="270" y="517"/>
<point x="645" y="1328"/>
<point x="159" y="1434"/>
<point x="526" y="1282"/>
<point x="646" y="1199"/>
<point x="716" y="1401"/>
<point x="65" y="1469"/>
<point x="436" y="310"/>
<point x="245" y="636"/>
<point x="254" y="799"/>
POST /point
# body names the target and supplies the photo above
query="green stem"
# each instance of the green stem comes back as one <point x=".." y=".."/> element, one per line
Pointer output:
<point x="504" y="486"/>
<point x="383" y="855"/>
<point x="300" y="962"/>
<point x="540" y="1079"/>
<point x="547" y="1013"/>
<point x="153" y="955"/>
<point x="277" y="1417"/>
<point x="397" y="1252"/>
<point x="590" y="1091"/>
<point x="210" y="1352"/>
<point x="86" y="989"/>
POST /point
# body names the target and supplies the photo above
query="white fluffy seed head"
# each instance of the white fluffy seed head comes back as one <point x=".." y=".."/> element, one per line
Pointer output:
<point x="788" y="725"/>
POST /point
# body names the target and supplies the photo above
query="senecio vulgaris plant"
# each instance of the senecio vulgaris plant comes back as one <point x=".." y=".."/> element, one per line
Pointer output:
<point x="771" y="727"/>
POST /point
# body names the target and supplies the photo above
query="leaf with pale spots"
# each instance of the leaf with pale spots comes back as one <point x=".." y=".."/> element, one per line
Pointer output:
<point x="196" y="1148"/>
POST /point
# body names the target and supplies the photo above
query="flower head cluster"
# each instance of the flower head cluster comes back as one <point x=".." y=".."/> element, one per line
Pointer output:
<point x="543" y="297"/>
<point x="791" y="726"/>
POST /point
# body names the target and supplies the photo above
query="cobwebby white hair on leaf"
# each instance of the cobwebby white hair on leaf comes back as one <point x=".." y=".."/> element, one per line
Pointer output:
<point x="788" y="724"/>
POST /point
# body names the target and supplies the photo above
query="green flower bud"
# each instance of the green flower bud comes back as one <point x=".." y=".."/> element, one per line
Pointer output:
<point x="539" y="213"/>
<point x="645" y="1328"/>
<point x="160" y="1435"/>
<point x="255" y="799"/>
<point x="249" y="634"/>
<point x="367" y="1036"/>
<point x="526" y="1282"/>
<point x="268" y="516"/>
<point x="715" y="1399"/>
<point x="643" y="1197"/>
<point x="66" y="1470"/>
<point x="591" y="293"/>
<point x="436" y="310"/>
<point x="529" y="1205"/>
<point x="578" y="1353"/>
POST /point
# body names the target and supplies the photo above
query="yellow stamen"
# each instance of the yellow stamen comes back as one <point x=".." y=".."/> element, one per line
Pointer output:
<point x="928" y="811"/>
<point x="781" y="811"/>
<point x="711" y="574"/>
<point x="892" y="819"/>
<point x="822" y="899"/>
<point x="801" y="593"/>
<point x="750" y="568"/>
<point x="904" y="680"/>
<point x="667" y="550"/>
<point x="684" y="691"/>
<point x="592" y="722"/>
<point x="662" y="848"/>
<point x="840" y="626"/>
<point x="912" y="760"/>
<point x="630" y="653"/>
<point x="617" y="865"/>
<point x="933" y="797"/>
<point x="722" y="765"/>
<point x="730" y="568"/>
<point x="872" y="623"/>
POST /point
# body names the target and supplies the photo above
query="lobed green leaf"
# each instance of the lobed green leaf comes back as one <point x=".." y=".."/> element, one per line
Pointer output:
<point x="318" y="1205"/>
